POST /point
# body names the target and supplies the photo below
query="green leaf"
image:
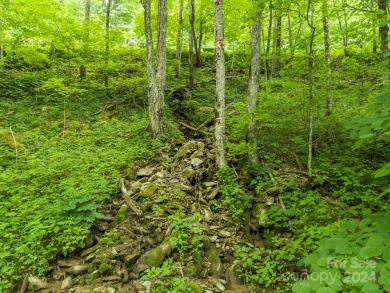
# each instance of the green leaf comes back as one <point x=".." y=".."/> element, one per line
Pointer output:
<point x="325" y="290"/>
<point x="301" y="287"/>
<point x="370" y="251"/>
<point x="371" y="288"/>
<point x="382" y="172"/>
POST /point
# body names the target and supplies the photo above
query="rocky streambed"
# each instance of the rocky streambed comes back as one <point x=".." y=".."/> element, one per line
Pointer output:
<point x="163" y="213"/>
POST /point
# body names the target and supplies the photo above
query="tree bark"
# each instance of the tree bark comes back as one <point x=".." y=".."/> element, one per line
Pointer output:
<point x="107" y="53"/>
<point x="158" y="112"/>
<point x="83" y="68"/>
<point x="152" y="93"/>
<point x="325" y="22"/>
<point x="342" y="29"/>
<point x="311" y="85"/>
<point x="191" y="42"/>
<point x="179" y="40"/>
<point x="220" y="139"/>
<point x="200" y="40"/>
<point x="276" y="63"/>
<point x="383" y="28"/>
<point x="268" y="49"/>
<point x="253" y="89"/>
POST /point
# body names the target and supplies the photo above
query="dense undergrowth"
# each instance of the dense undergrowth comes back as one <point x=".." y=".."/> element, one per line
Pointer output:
<point x="57" y="167"/>
<point x="63" y="146"/>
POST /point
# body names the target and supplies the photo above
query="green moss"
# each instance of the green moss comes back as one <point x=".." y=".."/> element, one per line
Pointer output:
<point x="212" y="256"/>
<point x="195" y="287"/>
<point x="149" y="189"/>
<point x="190" y="270"/>
<point x="103" y="268"/>
<point x="121" y="215"/>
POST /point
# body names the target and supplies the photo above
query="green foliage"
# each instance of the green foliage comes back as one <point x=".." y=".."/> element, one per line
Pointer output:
<point x="234" y="197"/>
<point x="356" y="259"/>
<point x="374" y="126"/>
<point x="187" y="232"/>
<point x="51" y="196"/>
<point x="163" y="280"/>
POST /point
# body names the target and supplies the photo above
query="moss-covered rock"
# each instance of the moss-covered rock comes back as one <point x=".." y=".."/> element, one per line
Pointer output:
<point x="189" y="172"/>
<point x="104" y="268"/>
<point x="190" y="270"/>
<point x="156" y="256"/>
<point x="148" y="189"/>
<point x="185" y="149"/>
<point x="121" y="215"/>
<point x="195" y="287"/>
<point x="216" y="268"/>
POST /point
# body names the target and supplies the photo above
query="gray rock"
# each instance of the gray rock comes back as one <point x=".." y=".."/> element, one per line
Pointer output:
<point x="77" y="269"/>
<point x="145" y="172"/>
<point x="220" y="287"/>
<point x="183" y="187"/>
<point x="233" y="275"/>
<point x="147" y="285"/>
<point x="34" y="283"/>
<point x="209" y="184"/>
<point x="67" y="283"/>
<point x="135" y="187"/>
<point x="196" y="162"/>
<point x="224" y="233"/>
<point x="213" y="193"/>
<point x="185" y="149"/>
<point x="67" y="263"/>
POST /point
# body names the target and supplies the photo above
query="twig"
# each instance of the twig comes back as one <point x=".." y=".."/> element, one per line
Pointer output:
<point x="193" y="128"/>
<point x="16" y="145"/>
<point x="130" y="202"/>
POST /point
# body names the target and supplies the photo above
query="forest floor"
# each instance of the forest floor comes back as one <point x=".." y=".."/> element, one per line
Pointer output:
<point x="162" y="217"/>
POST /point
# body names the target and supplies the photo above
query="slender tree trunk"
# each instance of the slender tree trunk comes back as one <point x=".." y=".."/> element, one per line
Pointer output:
<point x="342" y="29"/>
<point x="253" y="89"/>
<point x="1" y="53"/>
<point x="290" y="36"/>
<point x="191" y="42"/>
<point x="83" y="69"/>
<point x="179" y="40"/>
<point x="276" y="64"/>
<point x="325" y="22"/>
<point x="383" y="28"/>
<point x="107" y="53"/>
<point x="267" y="51"/>
<point x="200" y="40"/>
<point x="220" y="139"/>
<point x="152" y="93"/>
<point x="311" y="85"/>
<point x="161" y="67"/>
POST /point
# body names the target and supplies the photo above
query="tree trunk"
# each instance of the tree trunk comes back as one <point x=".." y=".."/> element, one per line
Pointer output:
<point x="107" y="53"/>
<point x="311" y="85"/>
<point x="325" y="22"/>
<point x="290" y="36"/>
<point x="152" y="93"/>
<point x="276" y="63"/>
<point x="342" y="29"/>
<point x="267" y="51"/>
<point x="383" y="28"/>
<point x="158" y="112"/>
<point x="220" y="139"/>
<point x="253" y="89"/>
<point x="179" y="40"/>
<point x="83" y="68"/>
<point x="1" y="53"/>
<point x="200" y="39"/>
<point x="191" y="42"/>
